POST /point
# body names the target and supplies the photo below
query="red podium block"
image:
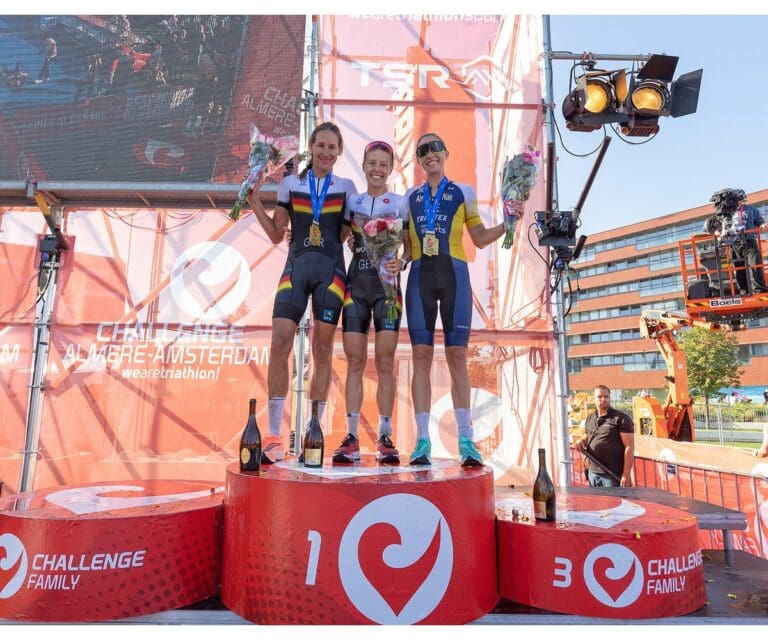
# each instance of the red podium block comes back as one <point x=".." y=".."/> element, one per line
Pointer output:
<point x="362" y="544"/>
<point x="604" y="557"/>
<point x="106" y="551"/>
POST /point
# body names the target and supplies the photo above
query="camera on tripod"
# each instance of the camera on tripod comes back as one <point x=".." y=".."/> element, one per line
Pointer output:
<point x="728" y="223"/>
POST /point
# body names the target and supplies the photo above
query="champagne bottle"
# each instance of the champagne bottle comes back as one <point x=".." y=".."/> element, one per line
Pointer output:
<point x="543" y="492"/>
<point x="250" y="442"/>
<point x="314" y="445"/>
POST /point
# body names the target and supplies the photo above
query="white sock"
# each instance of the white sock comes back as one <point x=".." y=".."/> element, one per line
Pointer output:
<point x="385" y="426"/>
<point x="422" y="425"/>
<point x="275" y="410"/>
<point x="464" y="422"/>
<point x="353" y="421"/>
<point x="321" y="410"/>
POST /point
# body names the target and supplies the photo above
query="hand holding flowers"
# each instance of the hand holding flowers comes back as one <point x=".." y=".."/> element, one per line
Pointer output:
<point x="518" y="179"/>
<point x="267" y="156"/>
<point x="382" y="238"/>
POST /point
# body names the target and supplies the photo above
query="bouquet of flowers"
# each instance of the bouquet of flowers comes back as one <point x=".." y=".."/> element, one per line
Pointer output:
<point x="382" y="238"/>
<point x="267" y="156"/>
<point x="517" y="181"/>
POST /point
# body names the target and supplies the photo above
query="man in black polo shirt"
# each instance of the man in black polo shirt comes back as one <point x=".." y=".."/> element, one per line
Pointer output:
<point x="610" y="438"/>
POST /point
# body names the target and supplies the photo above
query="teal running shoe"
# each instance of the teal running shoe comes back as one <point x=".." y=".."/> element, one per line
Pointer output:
<point x="470" y="456"/>
<point x="421" y="453"/>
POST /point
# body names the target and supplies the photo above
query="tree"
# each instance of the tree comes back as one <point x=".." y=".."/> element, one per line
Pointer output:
<point x="713" y="359"/>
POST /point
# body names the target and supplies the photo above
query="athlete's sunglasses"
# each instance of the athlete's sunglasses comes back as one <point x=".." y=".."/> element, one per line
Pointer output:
<point x="435" y="146"/>
<point x="379" y="144"/>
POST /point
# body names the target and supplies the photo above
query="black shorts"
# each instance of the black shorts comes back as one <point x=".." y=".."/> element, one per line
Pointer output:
<point x="365" y="298"/>
<point x="322" y="277"/>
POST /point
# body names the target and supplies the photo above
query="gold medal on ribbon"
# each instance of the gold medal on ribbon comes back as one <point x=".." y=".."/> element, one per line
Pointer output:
<point x="430" y="244"/>
<point x="315" y="237"/>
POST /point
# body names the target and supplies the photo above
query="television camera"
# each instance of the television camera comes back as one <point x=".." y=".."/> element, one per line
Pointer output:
<point x="727" y="224"/>
<point x="557" y="229"/>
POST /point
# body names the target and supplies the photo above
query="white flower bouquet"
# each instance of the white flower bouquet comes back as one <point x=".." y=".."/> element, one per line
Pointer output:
<point x="382" y="238"/>
<point x="518" y="179"/>
<point x="266" y="157"/>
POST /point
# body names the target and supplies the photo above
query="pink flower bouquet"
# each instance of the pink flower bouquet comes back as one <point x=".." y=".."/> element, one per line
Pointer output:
<point x="518" y="179"/>
<point x="382" y="238"/>
<point x="266" y="157"/>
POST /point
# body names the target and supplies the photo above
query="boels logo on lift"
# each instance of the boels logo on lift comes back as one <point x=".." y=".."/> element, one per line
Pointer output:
<point x="725" y="302"/>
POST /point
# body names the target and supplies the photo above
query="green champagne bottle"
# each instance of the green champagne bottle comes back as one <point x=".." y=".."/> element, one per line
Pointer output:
<point x="543" y="492"/>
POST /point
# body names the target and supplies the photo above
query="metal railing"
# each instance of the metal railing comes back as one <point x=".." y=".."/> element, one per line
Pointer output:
<point x="728" y="424"/>
<point x="738" y="491"/>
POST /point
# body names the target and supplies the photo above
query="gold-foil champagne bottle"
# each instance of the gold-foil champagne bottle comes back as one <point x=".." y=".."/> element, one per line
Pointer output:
<point x="314" y="444"/>
<point x="250" y="441"/>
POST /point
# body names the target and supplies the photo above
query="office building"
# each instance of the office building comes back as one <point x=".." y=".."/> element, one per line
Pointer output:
<point x="624" y="271"/>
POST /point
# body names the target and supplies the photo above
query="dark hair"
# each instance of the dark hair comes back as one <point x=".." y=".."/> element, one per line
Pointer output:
<point x="424" y="135"/>
<point x="324" y="126"/>
<point x="603" y="387"/>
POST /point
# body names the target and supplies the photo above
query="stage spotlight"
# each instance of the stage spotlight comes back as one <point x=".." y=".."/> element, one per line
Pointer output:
<point x="603" y="97"/>
<point x="650" y="98"/>
<point x="594" y="102"/>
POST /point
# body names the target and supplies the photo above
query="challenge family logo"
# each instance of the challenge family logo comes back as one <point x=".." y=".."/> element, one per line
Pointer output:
<point x="13" y="563"/>
<point x="613" y="574"/>
<point x="209" y="300"/>
<point x="399" y="539"/>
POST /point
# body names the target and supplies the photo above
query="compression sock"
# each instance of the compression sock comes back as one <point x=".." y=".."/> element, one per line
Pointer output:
<point x="422" y="425"/>
<point x="385" y="426"/>
<point x="275" y="410"/>
<point x="353" y="421"/>
<point x="464" y="422"/>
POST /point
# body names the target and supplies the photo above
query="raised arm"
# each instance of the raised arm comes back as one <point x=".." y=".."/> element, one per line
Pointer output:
<point x="275" y="226"/>
<point x="482" y="236"/>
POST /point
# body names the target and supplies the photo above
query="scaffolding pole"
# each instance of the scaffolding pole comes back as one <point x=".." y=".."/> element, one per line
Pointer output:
<point x="561" y="433"/>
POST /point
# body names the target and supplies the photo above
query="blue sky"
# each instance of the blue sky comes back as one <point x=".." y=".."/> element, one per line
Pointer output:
<point x="722" y="145"/>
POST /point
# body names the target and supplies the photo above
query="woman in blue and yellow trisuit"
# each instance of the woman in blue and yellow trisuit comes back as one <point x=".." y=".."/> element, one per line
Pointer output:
<point x="438" y="280"/>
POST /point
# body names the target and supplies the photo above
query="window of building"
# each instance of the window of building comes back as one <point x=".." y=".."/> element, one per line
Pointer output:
<point x="628" y="361"/>
<point x="676" y="304"/>
<point x="651" y="286"/>
<point x="604" y="336"/>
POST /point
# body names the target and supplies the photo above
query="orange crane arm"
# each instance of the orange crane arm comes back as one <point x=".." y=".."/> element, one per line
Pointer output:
<point x="661" y="326"/>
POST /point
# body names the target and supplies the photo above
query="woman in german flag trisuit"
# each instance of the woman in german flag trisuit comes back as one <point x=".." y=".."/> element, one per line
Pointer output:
<point x="313" y="204"/>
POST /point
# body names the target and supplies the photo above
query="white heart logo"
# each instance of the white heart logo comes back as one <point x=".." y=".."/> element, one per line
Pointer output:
<point x="89" y="499"/>
<point x="15" y="553"/>
<point x="418" y="523"/>
<point x="223" y="262"/>
<point x="606" y="518"/>
<point x="625" y="568"/>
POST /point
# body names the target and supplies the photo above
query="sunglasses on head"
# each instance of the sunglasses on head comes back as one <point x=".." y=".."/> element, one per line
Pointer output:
<point x="435" y="146"/>
<point x="379" y="144"/>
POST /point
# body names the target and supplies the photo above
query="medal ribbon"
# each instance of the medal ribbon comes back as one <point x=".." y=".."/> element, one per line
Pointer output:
<point x="431" y="206"/>
<point x="317" y="201"/>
